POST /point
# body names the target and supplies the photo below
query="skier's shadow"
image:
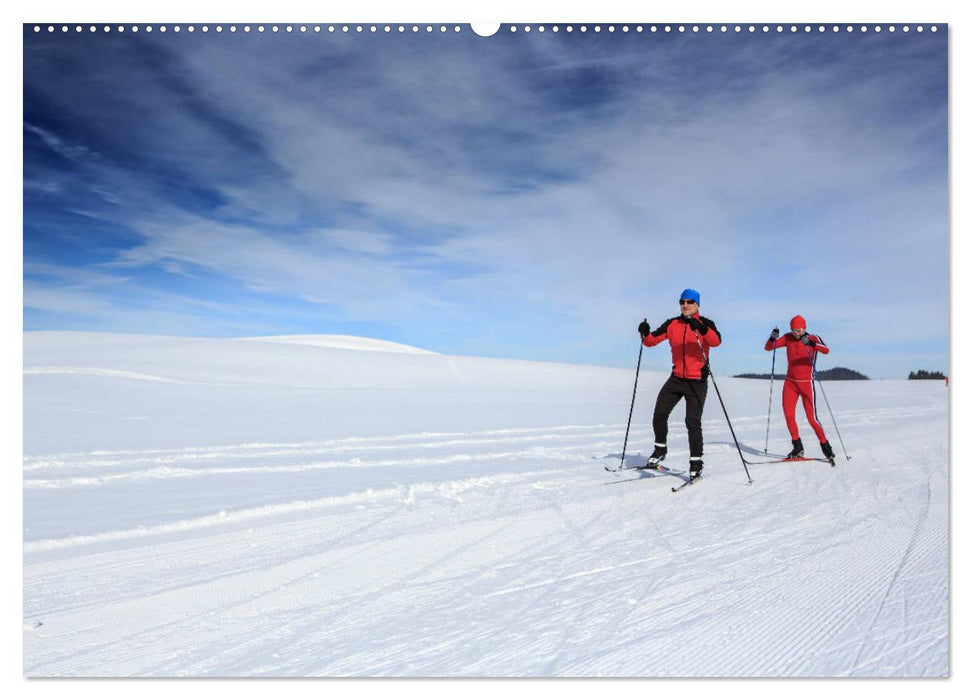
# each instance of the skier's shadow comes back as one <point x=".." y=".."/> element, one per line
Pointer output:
<point x="631" y="462"/>
<point x="746" y="449"/>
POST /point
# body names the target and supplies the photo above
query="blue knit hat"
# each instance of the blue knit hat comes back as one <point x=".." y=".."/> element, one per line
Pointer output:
<point x="690" y="294"/>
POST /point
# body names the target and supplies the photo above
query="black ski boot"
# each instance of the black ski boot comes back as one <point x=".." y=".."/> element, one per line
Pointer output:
<point x="659" y="453"/>
<point x="828" y="453"/>
<point x="695" y="465"/>
<point x="797" y="451"/>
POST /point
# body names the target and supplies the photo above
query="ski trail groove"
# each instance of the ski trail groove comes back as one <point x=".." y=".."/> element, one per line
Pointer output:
<point x="916" y="531"/>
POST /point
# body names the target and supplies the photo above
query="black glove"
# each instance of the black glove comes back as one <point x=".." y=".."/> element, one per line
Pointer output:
<point x="697" y="326"/>
<point x="775" y="334"/>
<point x="644" y="328"/>
<point x="806" y="340"/>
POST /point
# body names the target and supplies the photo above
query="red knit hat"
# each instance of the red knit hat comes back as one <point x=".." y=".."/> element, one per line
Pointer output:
<point x="797" y="322"/>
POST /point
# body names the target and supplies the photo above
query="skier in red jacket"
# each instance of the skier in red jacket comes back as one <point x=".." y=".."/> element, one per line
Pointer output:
<point x="690" y="336"/>
<point x="801" y="349"/>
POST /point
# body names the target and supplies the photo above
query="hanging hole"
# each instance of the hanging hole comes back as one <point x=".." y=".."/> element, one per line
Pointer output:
<point x="485" y="28"/>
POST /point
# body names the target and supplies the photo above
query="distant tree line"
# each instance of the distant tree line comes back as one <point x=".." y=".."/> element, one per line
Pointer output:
<point x="839" y="373"/>
<point x="836" y="373"/>
<point x="924" y="374"/>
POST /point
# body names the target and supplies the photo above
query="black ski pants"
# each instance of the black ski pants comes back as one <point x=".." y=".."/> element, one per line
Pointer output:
<point x="694" y="392"/>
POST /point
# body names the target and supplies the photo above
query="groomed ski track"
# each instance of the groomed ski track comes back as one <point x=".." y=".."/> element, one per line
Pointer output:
<point x="557" y="571"/>
<point x="497" y="552"/>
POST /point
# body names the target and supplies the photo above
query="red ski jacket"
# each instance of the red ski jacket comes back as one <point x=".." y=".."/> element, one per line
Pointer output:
<point x="689" y="362"/>
<point x="801" y="357"/>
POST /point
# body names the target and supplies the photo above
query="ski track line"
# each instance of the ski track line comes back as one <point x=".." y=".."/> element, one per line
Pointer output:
<point x="127" y="648"/>
<point x="350" y="442"/>
<point x="154" y="378"/>
<point x="565" y="654"/>
<point x="830" y="617"/>
<point x="556" y="450"/>
<point x="755" y="554"/>
<point x="114" y="373"/>
<point x="33" y="464"/>
<point x="870" y="560"/>
<point x="548" y="550"/>
<point x="351" y="603"/>
<point x="163" y="456"/>
<point x="581" y="574"/>
<point x="929" y="640"/>
<point x="674" y="625"/>
<point x="301" y="622"/>
<point x="177" y="473"/>
<point x="157" y="455"/>
<point x="641" y="584"/>
<point x="577" y="542"/>
<point x="402" y="583"/>
<point x="448" y="489"/>
<point x="833" y="611"/>
<point x="684" y="607"/>
<point x="915" y="532"/>
<point x="126" y="561"/>
<point x="796" y="639"/>
<point x="551" y="550"/>
<point x="636" y="587"/>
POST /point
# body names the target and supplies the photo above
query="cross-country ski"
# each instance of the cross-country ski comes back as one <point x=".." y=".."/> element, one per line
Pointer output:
<point x="688" y="482"/>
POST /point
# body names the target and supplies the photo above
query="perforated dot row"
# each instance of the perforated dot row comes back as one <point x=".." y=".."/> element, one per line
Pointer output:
<point x="725" y="28"/>
<point x="246" y="28"/>
<point x="414" y="28"/>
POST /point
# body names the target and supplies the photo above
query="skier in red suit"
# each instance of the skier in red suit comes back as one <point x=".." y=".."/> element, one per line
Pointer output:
<point x="801" y="349"/>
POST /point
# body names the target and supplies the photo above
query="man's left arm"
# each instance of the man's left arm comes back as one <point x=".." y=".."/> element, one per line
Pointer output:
<point x="708" y="332"/>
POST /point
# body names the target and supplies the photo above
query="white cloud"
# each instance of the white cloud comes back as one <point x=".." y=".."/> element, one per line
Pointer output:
<point x="460" y="182"/>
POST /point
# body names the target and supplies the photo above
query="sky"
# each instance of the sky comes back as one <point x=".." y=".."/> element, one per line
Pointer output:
<point x="528" y="195"/>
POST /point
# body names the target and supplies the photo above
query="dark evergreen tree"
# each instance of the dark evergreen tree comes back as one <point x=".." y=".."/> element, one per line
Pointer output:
<point x="924" y="374"/>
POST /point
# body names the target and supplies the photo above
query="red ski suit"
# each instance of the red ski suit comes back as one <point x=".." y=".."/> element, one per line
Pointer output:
<point x="688" y="361"/>
<point x="799" y="381"/>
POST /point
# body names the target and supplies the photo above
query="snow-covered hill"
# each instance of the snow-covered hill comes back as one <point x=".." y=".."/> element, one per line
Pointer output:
<point x="346" y="342"/>
<point x="232" y="507"/>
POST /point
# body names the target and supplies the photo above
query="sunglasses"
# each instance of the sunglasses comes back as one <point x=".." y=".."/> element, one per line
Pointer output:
<point x="687" y="301"/>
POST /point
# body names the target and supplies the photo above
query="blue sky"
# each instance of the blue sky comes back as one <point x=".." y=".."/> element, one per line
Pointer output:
<point x="524" y="195"/>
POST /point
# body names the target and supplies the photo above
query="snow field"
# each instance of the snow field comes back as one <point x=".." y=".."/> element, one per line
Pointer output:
<point x="467" y="527"/>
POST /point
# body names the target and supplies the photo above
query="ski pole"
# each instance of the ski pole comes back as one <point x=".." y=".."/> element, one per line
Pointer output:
<point x="630" y="415"/>
<point x="724" y="410"/>
<point x="769" y="418"/>
<point x="831" y="416"/>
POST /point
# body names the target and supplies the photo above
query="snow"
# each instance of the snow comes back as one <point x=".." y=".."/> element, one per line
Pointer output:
<point x="347" y="342"/>
<point x="272" y="507"/>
